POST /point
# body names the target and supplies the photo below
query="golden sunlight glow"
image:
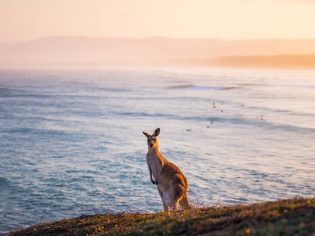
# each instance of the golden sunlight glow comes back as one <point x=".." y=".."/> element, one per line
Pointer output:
<point x="225" y="19"/>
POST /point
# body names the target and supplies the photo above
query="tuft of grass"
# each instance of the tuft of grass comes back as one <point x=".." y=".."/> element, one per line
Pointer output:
<point x="283" y="217"/>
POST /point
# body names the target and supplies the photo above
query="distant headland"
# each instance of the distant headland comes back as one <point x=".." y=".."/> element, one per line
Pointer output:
<point x="78" y="51"/>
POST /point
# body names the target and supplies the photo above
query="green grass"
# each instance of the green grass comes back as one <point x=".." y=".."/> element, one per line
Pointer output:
<point x="284" y="217"/>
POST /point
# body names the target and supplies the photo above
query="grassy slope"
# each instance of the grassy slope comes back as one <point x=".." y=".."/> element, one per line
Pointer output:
<point x="284" y="217"/>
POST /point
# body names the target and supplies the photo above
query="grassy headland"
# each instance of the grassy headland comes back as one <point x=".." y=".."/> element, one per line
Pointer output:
<point x="283" y="217"/>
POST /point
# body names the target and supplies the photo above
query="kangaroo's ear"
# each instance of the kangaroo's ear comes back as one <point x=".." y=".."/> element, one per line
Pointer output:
<point x="157" y="132"/>
<point x="146" y="134"/>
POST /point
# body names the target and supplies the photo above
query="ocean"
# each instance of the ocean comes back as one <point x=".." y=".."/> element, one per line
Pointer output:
<point x="71" y="140"/>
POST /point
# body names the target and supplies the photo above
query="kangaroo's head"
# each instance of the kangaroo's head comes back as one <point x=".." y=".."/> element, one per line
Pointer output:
<point x="152" y="139"/>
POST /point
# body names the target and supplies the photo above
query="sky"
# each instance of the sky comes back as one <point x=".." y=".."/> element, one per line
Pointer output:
<point x="22" y="20"/>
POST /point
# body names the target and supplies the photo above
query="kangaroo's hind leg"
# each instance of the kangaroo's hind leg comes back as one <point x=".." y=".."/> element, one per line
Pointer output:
<point x="178" y="191"/>
<point x="175" y="203"/>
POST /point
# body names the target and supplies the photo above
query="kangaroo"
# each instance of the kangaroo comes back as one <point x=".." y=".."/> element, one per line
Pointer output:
<point x="171" y="182"/>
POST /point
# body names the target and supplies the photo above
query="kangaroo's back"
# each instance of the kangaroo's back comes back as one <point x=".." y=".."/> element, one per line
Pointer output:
<point x="169" y="170"/>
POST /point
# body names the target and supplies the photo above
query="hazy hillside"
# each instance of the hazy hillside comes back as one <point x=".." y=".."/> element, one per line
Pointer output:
<point x="84" y="51"/>
<point x="287" y="61"/>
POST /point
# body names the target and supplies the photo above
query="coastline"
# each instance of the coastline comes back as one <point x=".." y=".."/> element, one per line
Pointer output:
<point x="282" y="217"/>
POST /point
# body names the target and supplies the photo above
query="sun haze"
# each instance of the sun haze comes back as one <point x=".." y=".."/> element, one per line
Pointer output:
<point x="224" y="19"/>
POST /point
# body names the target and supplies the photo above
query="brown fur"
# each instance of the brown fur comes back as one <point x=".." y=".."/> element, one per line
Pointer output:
<point x="171" y="182"/>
